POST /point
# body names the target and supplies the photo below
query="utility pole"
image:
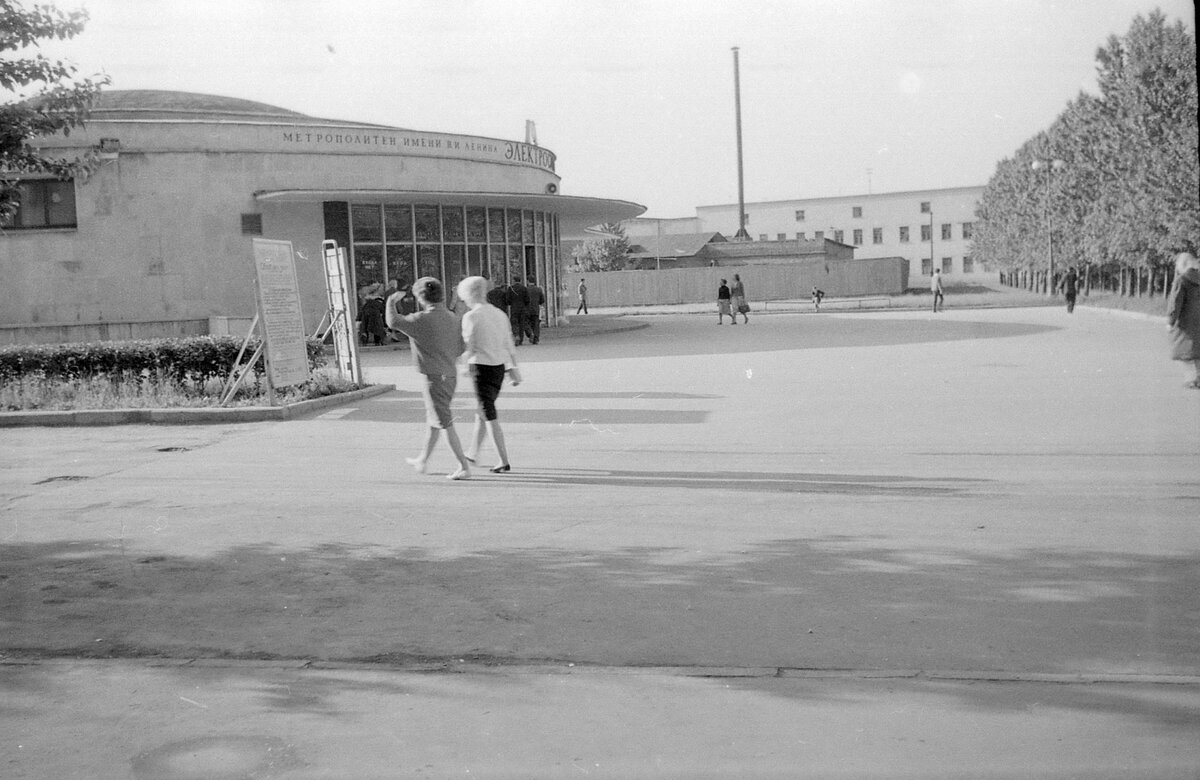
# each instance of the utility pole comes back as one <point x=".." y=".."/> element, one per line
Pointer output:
<point x="742" y="235"/>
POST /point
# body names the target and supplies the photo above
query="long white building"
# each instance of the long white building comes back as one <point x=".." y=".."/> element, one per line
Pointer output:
<point x="929" y="228"/>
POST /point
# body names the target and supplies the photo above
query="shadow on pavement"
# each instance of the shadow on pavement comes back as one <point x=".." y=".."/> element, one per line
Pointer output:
<point x="751" y="481"/>
<point x="676" y="335"/>
<point x="803" y="603"/>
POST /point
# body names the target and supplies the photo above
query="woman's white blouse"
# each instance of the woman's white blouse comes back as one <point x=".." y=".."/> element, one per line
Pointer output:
<point x="488" y="337"/>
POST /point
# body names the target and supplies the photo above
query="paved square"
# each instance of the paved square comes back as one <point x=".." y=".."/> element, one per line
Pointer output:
<point x="981" y="495"/>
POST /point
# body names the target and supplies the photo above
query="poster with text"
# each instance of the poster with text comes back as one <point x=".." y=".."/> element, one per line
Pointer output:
<point x="279" y="312"/>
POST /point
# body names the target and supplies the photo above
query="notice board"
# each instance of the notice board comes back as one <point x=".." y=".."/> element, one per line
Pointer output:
<point x="345" y="344"/>
<point x="284" y="340"/>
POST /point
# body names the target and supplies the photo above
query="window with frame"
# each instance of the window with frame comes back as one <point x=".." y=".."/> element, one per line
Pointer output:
<point x="926" y="206"/>
<point x="838" y="236"/>
<point x="968" y="264"/>
<point x="858" y="236"/>
<point x="877" y="236"/>
<point x="856" y="212"/>
<point x="762" y="236"/>
<point x="43" y="203"/>
<point x="819" y="235"/>
<point x="801" y="237"/>
<point x="947" y="265"/>
<point x="799" y="215"/>
<point x="967" y="229"/>
<point x="926" y="232"/>
<point x="926" y="267"/>
<point x="946" y="234"/>
<point x="781" y="236"/>
<point x="904" y="235"/>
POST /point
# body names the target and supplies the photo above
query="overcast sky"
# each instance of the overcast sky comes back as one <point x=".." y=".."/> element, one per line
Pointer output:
<point x="636" y="97"/>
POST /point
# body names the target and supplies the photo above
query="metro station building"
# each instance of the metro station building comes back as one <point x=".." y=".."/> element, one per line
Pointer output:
<point x="157" y="241"/>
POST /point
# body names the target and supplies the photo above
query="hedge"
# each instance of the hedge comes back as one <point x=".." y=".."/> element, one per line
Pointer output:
<point x="196" y="357"/>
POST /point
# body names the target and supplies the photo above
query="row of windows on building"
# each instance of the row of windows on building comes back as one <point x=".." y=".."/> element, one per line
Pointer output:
<point x="856" y="212"/>
<point x="905" y="235"/>
<point x="947" y="265"/>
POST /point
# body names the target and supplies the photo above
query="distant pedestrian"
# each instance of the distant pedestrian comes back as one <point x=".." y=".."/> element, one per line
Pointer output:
<point x="738" y="301"/>
<point x="537" y="297"/>
<point x="1070" y="288"/>
<point x="490" y="355"/>
<point x="935" y="286"/>
<point x="817" y="295"/>
<point x="1183" y="313"/>
<point x="582" y="290"/>
<point x="723" y="306"/>
<point x="436" y="338"/>
<point x="517" y="298"/>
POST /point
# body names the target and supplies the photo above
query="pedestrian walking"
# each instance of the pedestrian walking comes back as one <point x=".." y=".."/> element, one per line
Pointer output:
<point x="1183" y="313"/>
<point x="537" y="297"/>
<point x="738" y="301"/>
<point x="582" y="290"/>
<point x="1069" y="285"/>
<point x="436" y="339"/>
<point x="490" y="354"/>
<point x="935" y="286"/>
<point x="817" y="295"/>
<point x="517" y="298"/>
<point x="723" y="305"/>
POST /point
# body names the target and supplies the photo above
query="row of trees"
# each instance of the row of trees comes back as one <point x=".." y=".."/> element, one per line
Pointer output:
<point x="56" y="103"/>
<point x="1113" y="184"/>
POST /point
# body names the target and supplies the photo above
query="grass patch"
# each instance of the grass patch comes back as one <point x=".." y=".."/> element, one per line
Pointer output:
<point x="155" y="391"/>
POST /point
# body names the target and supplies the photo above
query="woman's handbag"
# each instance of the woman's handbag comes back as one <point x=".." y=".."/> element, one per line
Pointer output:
<point x="743" y="308"/>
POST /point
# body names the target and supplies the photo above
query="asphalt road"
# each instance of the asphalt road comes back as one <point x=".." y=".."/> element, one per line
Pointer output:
<point x="937" y="545"/>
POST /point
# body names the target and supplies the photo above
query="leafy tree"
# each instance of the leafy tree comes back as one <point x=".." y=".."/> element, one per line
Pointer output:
<point x="604" y="254"/>
<point x="59" y="102"/>
<point x="1128" y="194"/>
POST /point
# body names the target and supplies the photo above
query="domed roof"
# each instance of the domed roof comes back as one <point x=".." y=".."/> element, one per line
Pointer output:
<point x="166" y="104"/>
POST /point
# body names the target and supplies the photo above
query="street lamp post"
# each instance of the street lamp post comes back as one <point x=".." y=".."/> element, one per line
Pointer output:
<point x="1051" y="166"/>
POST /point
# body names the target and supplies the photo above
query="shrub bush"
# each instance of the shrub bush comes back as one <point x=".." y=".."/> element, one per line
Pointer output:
<point x="196" y="358"/>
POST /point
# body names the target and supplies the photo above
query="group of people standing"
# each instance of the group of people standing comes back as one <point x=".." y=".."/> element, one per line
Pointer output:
<point x="731" y="301"/>
<point x="483" y="337"/>
<point x="522" y="303"/>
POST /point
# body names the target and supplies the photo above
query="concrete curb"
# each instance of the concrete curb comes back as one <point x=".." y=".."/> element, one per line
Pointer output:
<point x="190" y="416"/>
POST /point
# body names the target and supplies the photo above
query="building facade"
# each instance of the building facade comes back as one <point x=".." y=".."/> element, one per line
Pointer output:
<point x="158" y="240"/>
<point x="929" y="228"/>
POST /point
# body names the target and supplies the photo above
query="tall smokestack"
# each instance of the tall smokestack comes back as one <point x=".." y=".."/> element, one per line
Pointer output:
<point x="742" y="235"/>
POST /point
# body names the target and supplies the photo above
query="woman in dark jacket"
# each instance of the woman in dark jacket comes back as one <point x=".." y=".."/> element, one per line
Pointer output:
<point x="1183" y="313"/>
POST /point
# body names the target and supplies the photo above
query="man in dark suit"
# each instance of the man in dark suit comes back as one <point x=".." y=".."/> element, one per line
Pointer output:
<point x="517" y="298"/>
<point x="497" y="297"/>
<point x="533" y="317"/>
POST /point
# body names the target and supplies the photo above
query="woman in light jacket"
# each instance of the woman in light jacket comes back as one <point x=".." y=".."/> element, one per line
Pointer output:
<point x="490" y="354"/>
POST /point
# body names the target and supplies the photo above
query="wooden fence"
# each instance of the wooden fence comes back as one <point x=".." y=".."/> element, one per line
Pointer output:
<point x="770" y="282"/>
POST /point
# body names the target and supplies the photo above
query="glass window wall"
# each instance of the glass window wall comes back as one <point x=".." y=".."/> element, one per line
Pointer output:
<point x="394" y="244"/>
